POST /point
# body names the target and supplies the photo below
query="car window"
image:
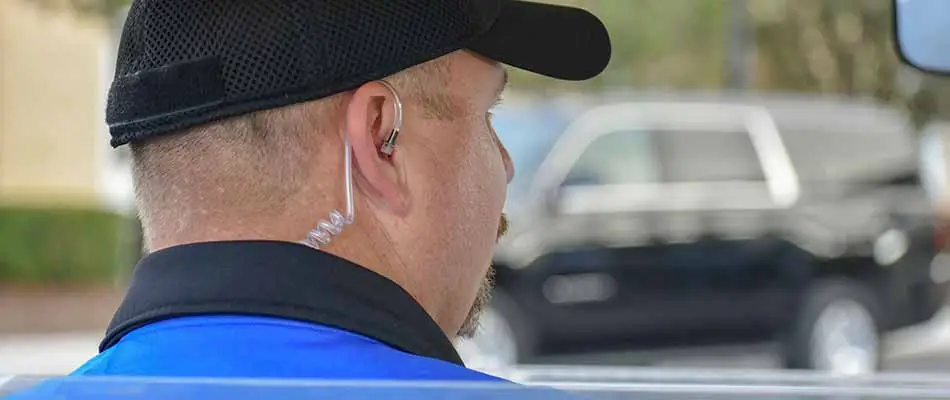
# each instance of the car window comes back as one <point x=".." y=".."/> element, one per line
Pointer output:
<point x="528" y="134"/>
<point x="621" y="157"/>
<point x="708" y="156"/>
<point x="849" y="155"/>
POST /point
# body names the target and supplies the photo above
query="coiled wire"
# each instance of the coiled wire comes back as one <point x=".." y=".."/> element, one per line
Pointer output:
<point x="327" y="229"/>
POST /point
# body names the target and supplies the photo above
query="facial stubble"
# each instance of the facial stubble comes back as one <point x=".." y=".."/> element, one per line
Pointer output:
<point x="482" y="298"/>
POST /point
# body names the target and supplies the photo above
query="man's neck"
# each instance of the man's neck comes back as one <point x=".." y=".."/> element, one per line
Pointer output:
<point x="373" y="250"/>
<point x="367" y="247"/>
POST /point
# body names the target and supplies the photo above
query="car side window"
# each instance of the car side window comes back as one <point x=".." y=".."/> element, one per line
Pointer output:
<point x="708" y="156"/>
<point x="621" y="157"/>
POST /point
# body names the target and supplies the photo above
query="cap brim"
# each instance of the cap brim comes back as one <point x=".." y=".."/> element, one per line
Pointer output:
<point x="556" y="41"/>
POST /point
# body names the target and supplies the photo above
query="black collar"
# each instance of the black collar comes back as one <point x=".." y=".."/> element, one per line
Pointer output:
<point x="279" y="279"/>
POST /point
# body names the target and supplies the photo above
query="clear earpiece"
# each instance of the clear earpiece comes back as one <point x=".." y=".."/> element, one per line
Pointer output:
<point x="327" y="229"/>
<point x="389" y="145"/>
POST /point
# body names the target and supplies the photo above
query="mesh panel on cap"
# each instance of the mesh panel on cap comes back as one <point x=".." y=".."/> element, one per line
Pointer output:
<point x="268" y="53"/>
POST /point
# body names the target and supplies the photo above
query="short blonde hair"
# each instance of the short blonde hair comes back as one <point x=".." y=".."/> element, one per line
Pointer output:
<point x="252" y="163"/>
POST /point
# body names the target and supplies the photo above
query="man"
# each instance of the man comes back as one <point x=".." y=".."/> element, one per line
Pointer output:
<point x="252" y="122"/>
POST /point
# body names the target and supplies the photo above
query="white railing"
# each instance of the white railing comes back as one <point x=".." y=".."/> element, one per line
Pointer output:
<point x="587" y="382"/>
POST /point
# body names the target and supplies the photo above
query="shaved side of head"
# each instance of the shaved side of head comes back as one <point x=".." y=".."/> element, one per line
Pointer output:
<point x="241" y="166"/>
<point x="251" y="165"/>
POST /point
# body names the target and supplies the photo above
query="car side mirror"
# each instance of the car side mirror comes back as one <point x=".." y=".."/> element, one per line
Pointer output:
<point x="922" y="34"/>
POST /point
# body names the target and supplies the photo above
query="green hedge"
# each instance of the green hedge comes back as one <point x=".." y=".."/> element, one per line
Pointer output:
<point x="64" y="245"/>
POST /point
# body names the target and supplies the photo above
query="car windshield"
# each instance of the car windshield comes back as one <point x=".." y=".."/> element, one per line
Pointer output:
<point x="528" y="132"/>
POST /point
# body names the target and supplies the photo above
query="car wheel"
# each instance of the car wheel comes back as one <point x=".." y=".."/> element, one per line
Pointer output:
<point x="502" y="339"/>
<point x="837" y="331"/>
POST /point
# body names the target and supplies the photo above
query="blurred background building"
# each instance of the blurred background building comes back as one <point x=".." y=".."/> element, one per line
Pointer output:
<point x="53" y="141"/>
<point x="65" y="195"/>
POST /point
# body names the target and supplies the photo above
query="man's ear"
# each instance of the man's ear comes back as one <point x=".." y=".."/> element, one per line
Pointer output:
<point x="370" y="116"/>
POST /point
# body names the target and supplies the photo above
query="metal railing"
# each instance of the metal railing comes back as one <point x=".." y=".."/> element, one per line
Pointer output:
<point x="535" y="382"/>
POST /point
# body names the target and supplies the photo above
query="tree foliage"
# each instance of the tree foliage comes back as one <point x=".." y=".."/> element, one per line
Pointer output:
<point x="841" y="47"/>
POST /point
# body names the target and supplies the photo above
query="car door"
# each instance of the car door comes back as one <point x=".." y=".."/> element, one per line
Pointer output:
<point x="725" y="185"/>
<point x="584" y="279"/>
<point x="661" y="222"/>
<point x="673" y="218"/>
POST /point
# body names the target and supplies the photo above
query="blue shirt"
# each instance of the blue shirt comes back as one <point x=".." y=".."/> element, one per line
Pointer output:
<point x="255" y="348"/>
<point x="263" y="347"/>
<point x="226" y="314"/>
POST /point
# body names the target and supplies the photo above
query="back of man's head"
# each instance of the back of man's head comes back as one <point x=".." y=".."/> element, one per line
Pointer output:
<point x="263" y="120"/>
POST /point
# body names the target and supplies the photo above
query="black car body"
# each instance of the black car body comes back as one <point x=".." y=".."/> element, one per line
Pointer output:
<point x="674" y="223"/>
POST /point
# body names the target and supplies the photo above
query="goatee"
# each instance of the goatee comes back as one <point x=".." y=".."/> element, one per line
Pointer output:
<point x="483" y="297"/>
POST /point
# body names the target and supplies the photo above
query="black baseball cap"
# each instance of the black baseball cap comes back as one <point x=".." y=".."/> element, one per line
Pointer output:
<point x="183" y="63"/>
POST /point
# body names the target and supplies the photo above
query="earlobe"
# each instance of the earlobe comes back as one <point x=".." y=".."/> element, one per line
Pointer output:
<point x="370" y="118"/>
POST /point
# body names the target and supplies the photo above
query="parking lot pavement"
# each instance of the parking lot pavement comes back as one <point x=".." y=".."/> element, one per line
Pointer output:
<point x="924" y="348"/>
<point x="933" y="336"/>
<point x="46" y="354"/>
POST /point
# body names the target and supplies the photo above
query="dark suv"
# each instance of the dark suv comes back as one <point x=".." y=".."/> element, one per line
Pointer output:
<point x="682" y="223"/>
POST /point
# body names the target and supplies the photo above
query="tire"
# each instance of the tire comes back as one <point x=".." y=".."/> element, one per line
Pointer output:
<point x="837" y="330"/>
<point x="504" y="338"/>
